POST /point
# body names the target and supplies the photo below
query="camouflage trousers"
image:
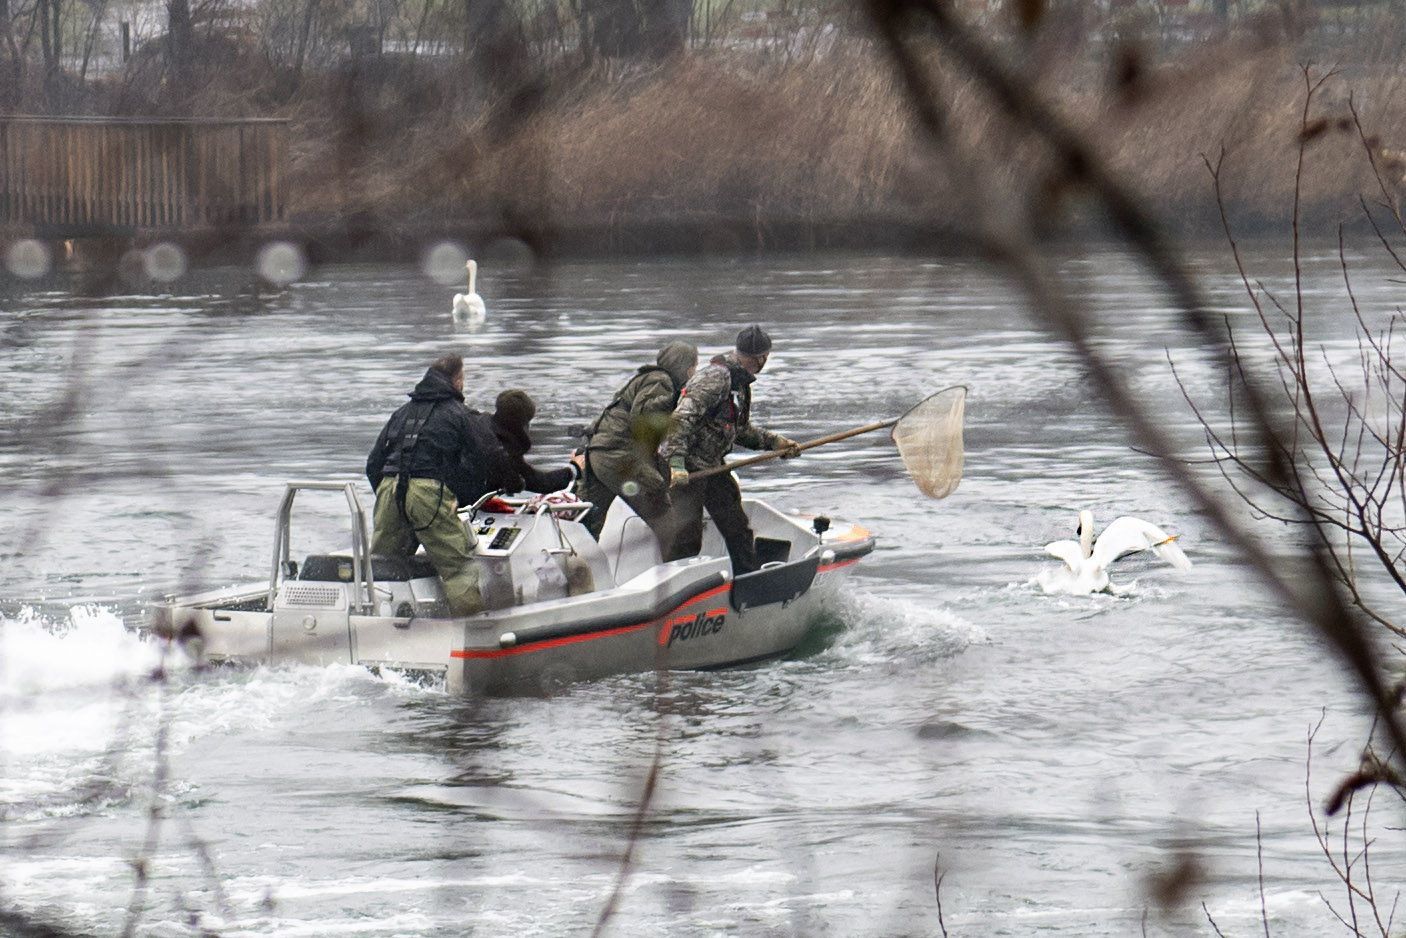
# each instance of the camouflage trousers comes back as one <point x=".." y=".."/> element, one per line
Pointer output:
<point x="430" y="519"/>
<point x="722" y="498"/>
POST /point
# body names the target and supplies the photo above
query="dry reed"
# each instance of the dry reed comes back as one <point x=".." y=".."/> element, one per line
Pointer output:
<point x="827" y="140"/>
<point x="821" y="139"/>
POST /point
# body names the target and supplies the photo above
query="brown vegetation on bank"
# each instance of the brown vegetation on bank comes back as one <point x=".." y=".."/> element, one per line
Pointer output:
<point x="787" y="146"/>
<point x="827" y="141"/>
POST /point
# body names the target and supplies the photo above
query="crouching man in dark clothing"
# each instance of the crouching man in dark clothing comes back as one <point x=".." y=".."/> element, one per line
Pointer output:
<point x="512" y="413"/>
<point x="622" y="449"/>
<point x="432" y="455"/>
<point x="715" y="412"/>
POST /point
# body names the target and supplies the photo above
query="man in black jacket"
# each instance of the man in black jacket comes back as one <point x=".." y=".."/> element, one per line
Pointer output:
<point x="433" y="455"/>
<point x="512" y="413"/>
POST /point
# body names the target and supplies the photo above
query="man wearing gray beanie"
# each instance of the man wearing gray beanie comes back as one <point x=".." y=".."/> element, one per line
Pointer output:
<point x="714" y="412"/>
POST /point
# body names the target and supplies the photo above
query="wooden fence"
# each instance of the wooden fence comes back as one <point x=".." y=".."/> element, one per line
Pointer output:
<point x="77" y="176"/>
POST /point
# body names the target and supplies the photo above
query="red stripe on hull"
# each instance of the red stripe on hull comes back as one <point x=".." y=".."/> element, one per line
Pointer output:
<point x="836" y="566"/>
<point x="480" y="654"/>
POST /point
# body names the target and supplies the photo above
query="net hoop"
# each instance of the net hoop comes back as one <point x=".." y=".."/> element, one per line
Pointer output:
<point x="929" y="440"/>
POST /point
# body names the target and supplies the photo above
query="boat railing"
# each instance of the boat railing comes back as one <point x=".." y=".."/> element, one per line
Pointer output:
<point x="523" y="505"/>
<point x="554" y="511"/>
<point x="362" y="574"/>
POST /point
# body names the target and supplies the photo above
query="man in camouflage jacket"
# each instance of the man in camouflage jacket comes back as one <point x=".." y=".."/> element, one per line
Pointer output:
<point x="714" y="412"/>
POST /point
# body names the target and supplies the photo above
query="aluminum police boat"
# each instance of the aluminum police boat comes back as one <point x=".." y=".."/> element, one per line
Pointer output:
<point x="563" y="607"/>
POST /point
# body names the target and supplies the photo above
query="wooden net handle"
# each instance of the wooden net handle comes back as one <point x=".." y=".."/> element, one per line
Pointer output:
<point x="776" y="453"/>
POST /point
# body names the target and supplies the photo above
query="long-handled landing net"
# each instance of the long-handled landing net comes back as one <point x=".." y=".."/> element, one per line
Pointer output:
<point x="928" y="437"/>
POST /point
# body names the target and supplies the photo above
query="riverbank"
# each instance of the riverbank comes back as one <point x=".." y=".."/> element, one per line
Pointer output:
<point x="737" y="151"/>
<point x="728" y="151"/>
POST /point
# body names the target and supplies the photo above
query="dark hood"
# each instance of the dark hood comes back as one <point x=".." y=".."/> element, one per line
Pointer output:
<point x="676" y="358"/>
<point x="434" y="386"/>
<point x="513" y="435"/>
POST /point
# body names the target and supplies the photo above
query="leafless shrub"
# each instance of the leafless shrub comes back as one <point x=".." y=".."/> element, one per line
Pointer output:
<point x="1346" y="451"/>
<point x="1347" y="841"/>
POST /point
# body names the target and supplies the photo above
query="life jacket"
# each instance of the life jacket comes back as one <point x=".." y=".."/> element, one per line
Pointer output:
<point x="735" y="407"/>
<point x="468" y="472"/>
<point x="401" y="457"/>
<point x="624" y="394"/>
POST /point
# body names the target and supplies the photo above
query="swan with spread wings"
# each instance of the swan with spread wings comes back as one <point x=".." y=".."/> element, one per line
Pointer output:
<point x="1086" y="561"/>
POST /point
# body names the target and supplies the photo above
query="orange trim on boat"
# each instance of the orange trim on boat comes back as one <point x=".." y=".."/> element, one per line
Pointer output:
<point x="835" y="566"/>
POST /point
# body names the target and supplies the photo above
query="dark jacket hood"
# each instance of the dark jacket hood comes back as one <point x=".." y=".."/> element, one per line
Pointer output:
<point x="676" y="358"/>
<point x="434" y="386"/>
<point x="513" y="435"/>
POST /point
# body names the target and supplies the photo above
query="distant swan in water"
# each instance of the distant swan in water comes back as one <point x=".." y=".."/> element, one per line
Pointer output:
<point x="1086" y="560"/>
<point x="470" y="305"/>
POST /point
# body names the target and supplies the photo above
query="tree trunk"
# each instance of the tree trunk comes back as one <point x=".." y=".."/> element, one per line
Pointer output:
<point x="48" y="11"/>
<point x="425" y="11"/>
<point x="93" y="28"/>
<point x="12" y="98"/>
<point x="46" y="48"/>
<point x="500" y="60"/>
<point x="666" y="25"/>
<point x="612" y="27"/>
<point x="58" y="33"/>
<point x="179" y="48"/>
<point x="300" y="54"/>
<point x="655" y="29"/>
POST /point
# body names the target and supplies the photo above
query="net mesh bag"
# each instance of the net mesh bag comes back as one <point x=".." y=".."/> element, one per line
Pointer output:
<point x="929" y="438"/>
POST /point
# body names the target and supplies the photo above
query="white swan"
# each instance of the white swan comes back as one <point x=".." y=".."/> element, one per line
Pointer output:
<point x="470" y="305"/>
<point x="1086" y="560"/>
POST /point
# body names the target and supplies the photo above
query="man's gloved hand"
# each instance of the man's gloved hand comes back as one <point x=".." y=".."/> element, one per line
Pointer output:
<point x="789" y="449"/>
<point x="678" y="475"/>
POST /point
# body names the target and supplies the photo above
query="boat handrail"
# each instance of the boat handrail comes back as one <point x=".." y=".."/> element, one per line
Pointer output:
<point x="563" y="506"/>
<point x="518" y="502"/>
<point x="362" y="574"/>
<point x="492" y="493"/>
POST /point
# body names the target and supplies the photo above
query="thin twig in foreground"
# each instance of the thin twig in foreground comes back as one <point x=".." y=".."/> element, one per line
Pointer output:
<point x="651" y="781"/>
<point x="1214" y="927"/>
<point x="938" y="876"/>
<point x="1259" y="856"/>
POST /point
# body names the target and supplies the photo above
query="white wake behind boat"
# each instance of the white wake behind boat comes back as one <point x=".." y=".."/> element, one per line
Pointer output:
<point x="563" y="607"/>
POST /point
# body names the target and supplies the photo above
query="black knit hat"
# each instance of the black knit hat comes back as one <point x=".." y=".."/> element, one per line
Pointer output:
<point x="753" y="341"/>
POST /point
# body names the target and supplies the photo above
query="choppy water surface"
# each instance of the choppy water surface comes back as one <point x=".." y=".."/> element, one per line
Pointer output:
<point x="1055" y="752"/>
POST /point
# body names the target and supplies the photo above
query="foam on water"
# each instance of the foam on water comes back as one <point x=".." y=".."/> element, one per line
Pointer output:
<point x="882" y="627"/>
<point x="1289" y="911"/>
<point x="68" y="688"/>
<point x="84" y="700"/>
<point x="230" y="700"/>
<point x="89" y="650"/>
